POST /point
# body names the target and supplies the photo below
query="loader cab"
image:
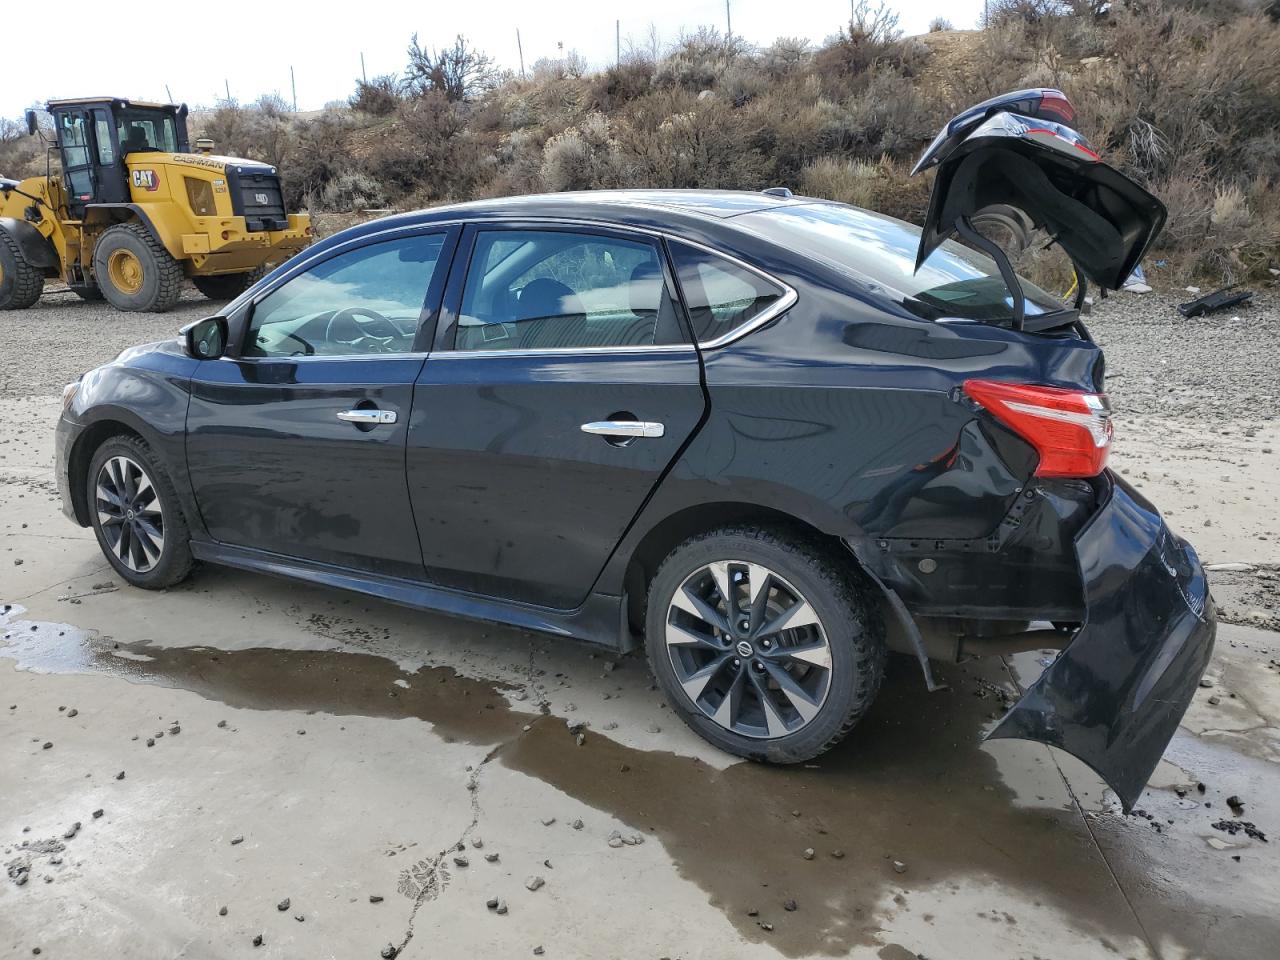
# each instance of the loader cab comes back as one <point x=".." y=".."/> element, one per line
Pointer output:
<point x="94" y="136"/>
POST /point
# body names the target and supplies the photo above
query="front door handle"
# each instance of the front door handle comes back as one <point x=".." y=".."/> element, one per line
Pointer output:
<point x="368" y="418"/>
<point x="624" y="428"/>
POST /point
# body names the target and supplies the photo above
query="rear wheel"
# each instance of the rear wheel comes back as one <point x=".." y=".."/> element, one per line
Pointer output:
<point x="136" y="515"/>
<point x="20" y="283"/>
<point x="228" y="286"/>
<point x="762" y="642"/>
<point x="134" y="270"/>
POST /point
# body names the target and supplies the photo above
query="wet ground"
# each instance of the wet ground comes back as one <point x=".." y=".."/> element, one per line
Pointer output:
<point x="249" y="741"/>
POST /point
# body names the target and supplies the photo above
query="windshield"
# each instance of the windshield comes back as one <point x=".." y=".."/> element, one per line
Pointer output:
<point x="142" y="130"/>
<point x="954" y="283"/>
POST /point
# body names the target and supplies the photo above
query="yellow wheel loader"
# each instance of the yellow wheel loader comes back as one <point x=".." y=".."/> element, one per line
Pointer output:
<point x="134" y="211"/>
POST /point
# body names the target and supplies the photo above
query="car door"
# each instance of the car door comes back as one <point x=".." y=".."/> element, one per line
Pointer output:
<point x="562" y="386"/>
<point x="296" y="444"/>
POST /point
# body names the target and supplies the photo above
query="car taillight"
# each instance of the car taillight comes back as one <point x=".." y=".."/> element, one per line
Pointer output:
<point x="1070" y="429"/>
<point x="1055" y="106"/>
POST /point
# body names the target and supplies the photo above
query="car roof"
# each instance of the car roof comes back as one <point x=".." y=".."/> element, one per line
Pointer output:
<point x="698" y="211"/>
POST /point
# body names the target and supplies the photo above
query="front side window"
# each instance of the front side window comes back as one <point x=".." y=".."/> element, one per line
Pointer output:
<point x="720" y="294"/>
<point x="102" y="133"/>
<point x="556" y="289"/>
<point x="366" y="301"/>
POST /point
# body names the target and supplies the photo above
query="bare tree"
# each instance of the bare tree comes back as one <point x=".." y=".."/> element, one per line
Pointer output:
<point x="460" y="72"/>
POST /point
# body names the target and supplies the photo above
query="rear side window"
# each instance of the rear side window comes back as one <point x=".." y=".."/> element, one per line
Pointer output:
<point x="558" y="289"/>
<point x="721" y="295"/>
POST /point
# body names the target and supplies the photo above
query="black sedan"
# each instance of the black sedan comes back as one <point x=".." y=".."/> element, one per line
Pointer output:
<point x="769" y="437"/>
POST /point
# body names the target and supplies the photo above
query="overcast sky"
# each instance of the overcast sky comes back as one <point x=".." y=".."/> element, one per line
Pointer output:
<point x="134" y="50"/>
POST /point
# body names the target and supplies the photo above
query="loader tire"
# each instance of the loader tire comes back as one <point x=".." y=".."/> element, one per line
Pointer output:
<point x="20" y="283"/>
<point x="134" y="270"/>
<point x="228" y="286"/>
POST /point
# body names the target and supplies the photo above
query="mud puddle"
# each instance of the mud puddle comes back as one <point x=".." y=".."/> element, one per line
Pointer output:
<point x="910" y="803"/>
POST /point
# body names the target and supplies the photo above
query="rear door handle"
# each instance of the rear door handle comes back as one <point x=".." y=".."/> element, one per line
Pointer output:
<point x="624" y="428"/>
<point x="368" y="417"/>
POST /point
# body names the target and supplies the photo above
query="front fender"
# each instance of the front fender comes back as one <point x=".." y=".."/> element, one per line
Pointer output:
<point x="1115" y="695"/>
<point x="34" y="246"/>
<point x="145" y="391"/>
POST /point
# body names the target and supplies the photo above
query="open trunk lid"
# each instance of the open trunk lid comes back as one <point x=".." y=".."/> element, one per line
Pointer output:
<point x="1031" y="160"/>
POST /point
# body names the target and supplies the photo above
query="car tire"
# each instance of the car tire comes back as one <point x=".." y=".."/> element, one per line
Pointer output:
<point x="228" y="286"/>
<point x="20" y="283"/>
<point x="134" y="270"/>
<point x="145" y="539"/>
<point x="827" y="689"/>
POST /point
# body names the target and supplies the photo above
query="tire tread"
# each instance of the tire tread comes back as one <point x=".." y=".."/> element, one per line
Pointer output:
<point x="28" y="282"/>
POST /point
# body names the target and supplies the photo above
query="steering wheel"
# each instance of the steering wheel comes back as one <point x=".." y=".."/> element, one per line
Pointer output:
<point x="375" y="331"/>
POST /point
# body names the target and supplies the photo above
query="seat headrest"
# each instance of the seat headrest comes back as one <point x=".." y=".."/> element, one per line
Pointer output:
<point x="545" y="297"/>
<point x="646" y="290"/>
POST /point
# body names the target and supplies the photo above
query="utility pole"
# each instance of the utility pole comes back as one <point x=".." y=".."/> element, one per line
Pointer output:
<point x="728" y="22"/>
<point x="364" y="77"/>
<point x="520" y="47"/>
<point x="617" y="43"/>
<point x="293" y="83"/>
<point x="227" y="84"/>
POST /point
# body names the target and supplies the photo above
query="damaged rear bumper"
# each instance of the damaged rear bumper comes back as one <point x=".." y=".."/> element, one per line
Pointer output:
<point x="1115" y="695"/>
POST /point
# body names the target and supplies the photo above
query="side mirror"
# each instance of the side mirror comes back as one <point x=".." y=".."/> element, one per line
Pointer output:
<point x="32" y="127"/>
<point x="206" y="339"/>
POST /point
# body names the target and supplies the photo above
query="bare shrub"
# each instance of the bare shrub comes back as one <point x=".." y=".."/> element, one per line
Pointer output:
<point x="378" y="97"/>
<point x="460" y="72"/>
<point x="939" y="24"/>
<point x="620" y="84"/>
<point x="351" y="191"/>
<point x="581" y="157"/>
<point x="847" y="181"/>
<point x="785" y="56"/>
<point x="572" y="65"/>
<point x="698" y="59"/>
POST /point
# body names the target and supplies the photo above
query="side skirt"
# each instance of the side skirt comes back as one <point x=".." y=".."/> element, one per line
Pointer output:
<point x="596" y="621"/>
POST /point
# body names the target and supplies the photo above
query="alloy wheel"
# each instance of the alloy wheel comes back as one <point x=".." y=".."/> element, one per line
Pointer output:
<point x="129" y="514"/>
<point x="748" y="649"/>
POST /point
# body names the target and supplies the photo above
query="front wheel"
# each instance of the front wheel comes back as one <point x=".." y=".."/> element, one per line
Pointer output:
<point x="762" y="642"/>
<point x="134" y="270"/>
<point x="136" y="515"/>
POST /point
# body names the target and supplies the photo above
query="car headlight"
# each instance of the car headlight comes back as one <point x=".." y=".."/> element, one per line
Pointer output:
<point x="69" y="393"/>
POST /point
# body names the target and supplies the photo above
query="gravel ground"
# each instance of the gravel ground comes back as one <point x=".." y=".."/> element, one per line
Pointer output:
<point x="1225" y="366"/>
<point x="68" y="336"/>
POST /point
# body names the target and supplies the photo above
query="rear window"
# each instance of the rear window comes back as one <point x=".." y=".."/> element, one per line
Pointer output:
<point x="955" y="282"/>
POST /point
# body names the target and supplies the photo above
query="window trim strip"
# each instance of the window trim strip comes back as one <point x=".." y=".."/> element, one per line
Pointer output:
<point x="784" y="303"/>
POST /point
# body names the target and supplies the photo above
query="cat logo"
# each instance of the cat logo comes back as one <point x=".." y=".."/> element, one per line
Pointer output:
<point x="146" y="179"/>
<point x="261" y="199"/>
